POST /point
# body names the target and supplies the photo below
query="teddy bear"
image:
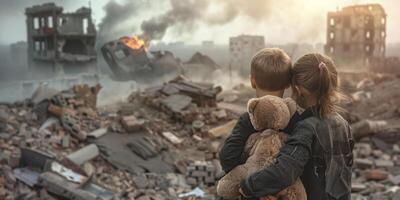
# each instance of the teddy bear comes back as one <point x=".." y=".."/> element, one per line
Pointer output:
<point x="268" y="115"/>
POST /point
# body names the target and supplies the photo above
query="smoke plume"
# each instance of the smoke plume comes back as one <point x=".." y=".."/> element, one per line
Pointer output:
<point x="186" y="14"/>
<point x="116" y="14"/>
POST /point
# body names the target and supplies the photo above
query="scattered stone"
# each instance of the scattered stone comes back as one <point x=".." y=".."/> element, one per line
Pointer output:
<point x="363" y="149"/>
<point x="221" y="131"/>
<point x="132" y="124"/>
<point x="221" y="114"/>
<point x="358" y="187"/>
<point x="65" y="141"/>
<point x="395" y="180"/>
<point x="172" y="138"/>
<point x="384" y="163"/>
<point x="376" y="175"/>
<point x="363" y="163"/>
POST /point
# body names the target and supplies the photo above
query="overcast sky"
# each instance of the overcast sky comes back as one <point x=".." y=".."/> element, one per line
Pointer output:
<point x="280" y="22"/>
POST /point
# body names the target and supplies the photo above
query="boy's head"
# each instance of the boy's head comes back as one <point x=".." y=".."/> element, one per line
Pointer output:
<point x="270" y="70"/>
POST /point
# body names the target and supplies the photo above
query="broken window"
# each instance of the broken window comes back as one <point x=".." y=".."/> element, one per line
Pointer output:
<point x="368" y="34"/>
<point x="332" y="21"/>
<point x="383" y="21"/>
<point x="50" y="22"/>
<point x="74" y="46"/>
<point x="332" y="35"/>
<point x="62" y="21"/>
<point x="120" y="54"/>
<point x="36" y="23"/>
<point x="331" y="49"/>
<point x="368" y="21"/>
<point x="85" y="25"/>
<point x="37" y="46"/>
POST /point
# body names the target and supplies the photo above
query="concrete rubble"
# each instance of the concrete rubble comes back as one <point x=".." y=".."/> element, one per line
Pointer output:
<point x="375" y="128"/>
<point x="163" y="142"/>
<point x="58" y="145"/>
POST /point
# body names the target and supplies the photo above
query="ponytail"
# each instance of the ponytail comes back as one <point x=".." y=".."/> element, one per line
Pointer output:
<point x="325" y="87"/>
<point x="317" y="74"/>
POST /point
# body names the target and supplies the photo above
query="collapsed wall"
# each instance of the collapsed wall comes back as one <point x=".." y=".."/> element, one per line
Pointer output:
<point x="356" y="36"/>
<point x="60" y="42"/>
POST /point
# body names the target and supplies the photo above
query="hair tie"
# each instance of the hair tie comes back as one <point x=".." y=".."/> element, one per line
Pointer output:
<point x="321" y="65"/>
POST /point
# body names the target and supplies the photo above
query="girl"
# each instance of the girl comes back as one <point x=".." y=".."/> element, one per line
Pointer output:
<point x="319" y="150"/>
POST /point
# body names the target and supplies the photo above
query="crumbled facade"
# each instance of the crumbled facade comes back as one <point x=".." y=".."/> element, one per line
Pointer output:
<point x="242" y="48"/>
<point x="356" y="36"/>
<point x="63" y="41"/>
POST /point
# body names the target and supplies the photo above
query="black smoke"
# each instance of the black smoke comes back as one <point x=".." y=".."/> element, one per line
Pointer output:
<point x="111" y="25"/>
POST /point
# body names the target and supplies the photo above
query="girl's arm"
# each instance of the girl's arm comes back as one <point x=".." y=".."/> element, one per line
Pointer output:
<point x="287" y="167"/>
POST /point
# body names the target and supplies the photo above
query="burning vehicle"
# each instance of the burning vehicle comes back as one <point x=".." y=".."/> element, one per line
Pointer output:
<point x="129" y="59"/>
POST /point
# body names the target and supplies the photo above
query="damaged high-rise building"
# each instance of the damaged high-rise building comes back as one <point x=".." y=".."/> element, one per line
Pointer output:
<point x="242" y="48"/>
<point x="356" y="36"/>
<point x="60" y="42"/>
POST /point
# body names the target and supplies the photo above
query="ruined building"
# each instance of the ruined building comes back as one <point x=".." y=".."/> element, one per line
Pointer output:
<point x="58" y="42"/>
<point x="356" y="36"/>
<point x="242" y="48"/>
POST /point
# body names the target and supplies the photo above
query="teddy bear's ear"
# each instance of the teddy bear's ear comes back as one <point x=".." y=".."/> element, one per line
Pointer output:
<point x="291" y="104"/>
<point x="251" y="105"/>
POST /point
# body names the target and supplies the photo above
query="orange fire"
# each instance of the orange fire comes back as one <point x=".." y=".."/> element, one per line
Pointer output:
<point x="133" y="42"/>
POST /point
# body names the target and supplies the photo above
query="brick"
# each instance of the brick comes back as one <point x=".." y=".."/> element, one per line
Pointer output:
<point x="199" y="174"/>
<point x="132" y="124"/>
<point x="65" y="141"/>
<point x="395" y="180"/>
<point x="55" y="110"/>
<point x="191" y="181"/>
<point x="376" y="175"/>
<point x="209" y="180"/>
<point x="363" y="163"/>
<point x="384" y="163"/>
<point x="358" y="187"/>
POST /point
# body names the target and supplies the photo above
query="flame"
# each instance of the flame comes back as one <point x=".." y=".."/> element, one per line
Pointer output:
<point x="133" y="42"/>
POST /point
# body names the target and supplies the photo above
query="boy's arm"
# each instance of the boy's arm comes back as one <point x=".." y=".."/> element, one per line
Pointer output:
<point x="287" y="167"/>
<point x="231" y="151"/>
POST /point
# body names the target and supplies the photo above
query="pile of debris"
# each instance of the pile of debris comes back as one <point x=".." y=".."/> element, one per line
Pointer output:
<point x="161" y="144"/>
<point x="182" y="99"/>
<point x="200" y="67"/>
<point x="374" y="114"/>
<point x="376" y="98"/>
<point x="376" y="172"/>
<point x="45" y="148"/>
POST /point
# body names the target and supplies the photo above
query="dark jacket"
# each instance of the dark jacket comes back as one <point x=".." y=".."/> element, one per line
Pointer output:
<point x="317" y="146"/>
<point x="230" y="154"/>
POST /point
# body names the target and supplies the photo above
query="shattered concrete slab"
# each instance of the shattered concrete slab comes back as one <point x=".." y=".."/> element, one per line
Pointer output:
<point x="57" y="185"/>
<point x="84" y="154"/>
<point x="114" y="148"/>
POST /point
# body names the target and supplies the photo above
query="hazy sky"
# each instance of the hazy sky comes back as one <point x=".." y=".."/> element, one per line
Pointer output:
<point x="280" y="21"/>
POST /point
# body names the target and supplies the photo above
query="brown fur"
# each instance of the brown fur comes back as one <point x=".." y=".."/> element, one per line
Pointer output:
<point x="268" y="114"/>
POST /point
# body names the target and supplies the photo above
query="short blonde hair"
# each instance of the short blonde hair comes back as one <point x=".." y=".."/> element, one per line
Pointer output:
<point x="270" y="69"/>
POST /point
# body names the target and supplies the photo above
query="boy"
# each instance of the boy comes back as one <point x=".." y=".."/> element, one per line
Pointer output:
<point x="269" y="75"/>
